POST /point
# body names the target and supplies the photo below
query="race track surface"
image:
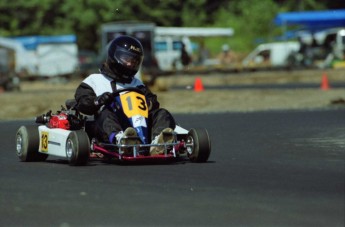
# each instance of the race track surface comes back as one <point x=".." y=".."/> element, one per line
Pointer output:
<point x="266" y="169"/>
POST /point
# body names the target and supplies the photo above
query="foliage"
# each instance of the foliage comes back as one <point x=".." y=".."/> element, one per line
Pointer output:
<point x="251" y="19"/>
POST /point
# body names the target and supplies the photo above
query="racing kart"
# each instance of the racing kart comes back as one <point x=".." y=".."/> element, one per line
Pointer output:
<point x="69" y="134"/>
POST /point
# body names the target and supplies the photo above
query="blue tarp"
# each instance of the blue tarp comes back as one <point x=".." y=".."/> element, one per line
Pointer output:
<point x="31" y="42"/>
<point x="312" y="20"/>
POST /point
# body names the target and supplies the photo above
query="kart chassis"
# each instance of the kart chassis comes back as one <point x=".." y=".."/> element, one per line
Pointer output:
<point x="66" y="134"/>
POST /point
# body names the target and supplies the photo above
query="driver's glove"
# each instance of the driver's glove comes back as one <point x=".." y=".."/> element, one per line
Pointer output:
<point x="104" y="99"/>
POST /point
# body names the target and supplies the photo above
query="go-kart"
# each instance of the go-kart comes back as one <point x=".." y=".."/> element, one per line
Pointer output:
<point x="69" y="134"/>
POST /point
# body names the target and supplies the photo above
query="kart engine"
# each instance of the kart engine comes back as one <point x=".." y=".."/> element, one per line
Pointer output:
<point x="63" y="119"/>
<point x="59" y="121"/>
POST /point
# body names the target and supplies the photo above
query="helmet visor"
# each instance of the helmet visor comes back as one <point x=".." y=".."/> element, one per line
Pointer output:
<point x="128" y="59"/>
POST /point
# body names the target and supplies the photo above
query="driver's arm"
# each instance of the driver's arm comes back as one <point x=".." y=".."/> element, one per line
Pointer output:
<point x="85" y="97"/>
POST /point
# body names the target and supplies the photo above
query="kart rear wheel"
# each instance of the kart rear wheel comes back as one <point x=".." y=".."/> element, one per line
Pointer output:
<point x="201" y="145"/>
<point x="27" y="144"/>
<point x="78" y="148"/>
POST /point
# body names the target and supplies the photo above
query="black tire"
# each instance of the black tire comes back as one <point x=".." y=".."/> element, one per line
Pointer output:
<point x="201" y="149"/>
<point x="78" y="148"/>
<point x="27" y="144"/>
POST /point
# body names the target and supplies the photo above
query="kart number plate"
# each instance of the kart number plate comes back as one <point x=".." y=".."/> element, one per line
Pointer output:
<point x="134" y="104"/>
<point x="44" y="142"/>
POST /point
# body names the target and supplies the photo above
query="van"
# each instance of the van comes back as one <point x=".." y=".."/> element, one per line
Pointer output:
<point x="269" y="55"/>
<point x="162" y="45"/>
<point x="168" y="51"/>
<point x="333" y="41"/>
<point x="43" y="56"/>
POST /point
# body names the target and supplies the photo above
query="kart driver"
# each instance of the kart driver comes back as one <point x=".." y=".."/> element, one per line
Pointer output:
<point x="93" y="96"/>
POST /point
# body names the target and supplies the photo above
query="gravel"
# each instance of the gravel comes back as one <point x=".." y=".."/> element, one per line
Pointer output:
<point x="38" y="97"/>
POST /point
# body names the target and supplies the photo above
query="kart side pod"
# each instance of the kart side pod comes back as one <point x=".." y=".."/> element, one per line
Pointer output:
<point x="35" y="143"/>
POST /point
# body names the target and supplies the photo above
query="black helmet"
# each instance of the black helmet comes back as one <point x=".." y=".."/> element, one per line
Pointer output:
<point x="125" y="55"/>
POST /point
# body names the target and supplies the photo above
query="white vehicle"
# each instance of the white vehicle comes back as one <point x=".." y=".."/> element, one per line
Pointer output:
<point x="333" y="41"/>
<point x="44" y="56"/>
<point x="169" y="40"/>
<point x="168" y="51"/>
<point x="271" y="55"/>
<point x="162" y="45"/>
<point x="57" y="59"/>
<point x="24" y="61"/>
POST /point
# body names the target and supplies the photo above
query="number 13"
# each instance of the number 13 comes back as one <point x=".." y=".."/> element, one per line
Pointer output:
<point x="142" y="103"/>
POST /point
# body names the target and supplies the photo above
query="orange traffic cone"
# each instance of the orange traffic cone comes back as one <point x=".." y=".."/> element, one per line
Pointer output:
<point x="198" y="85"/>
<point x="324" y="82"/>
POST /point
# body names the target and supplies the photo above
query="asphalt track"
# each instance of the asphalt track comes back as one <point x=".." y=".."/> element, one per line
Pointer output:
<point x="266" y="169"/>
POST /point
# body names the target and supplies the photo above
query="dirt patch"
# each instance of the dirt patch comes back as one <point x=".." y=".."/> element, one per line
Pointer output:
<point x="36" y="98"/>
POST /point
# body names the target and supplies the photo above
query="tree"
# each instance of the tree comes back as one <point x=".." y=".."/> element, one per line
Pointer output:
<point x="249" y="18"/>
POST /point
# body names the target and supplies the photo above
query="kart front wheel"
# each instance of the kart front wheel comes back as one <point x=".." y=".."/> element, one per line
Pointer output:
<point x="200" y="148"/>
<point x="27" y="144"/>
<point x="78" y="148"/>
